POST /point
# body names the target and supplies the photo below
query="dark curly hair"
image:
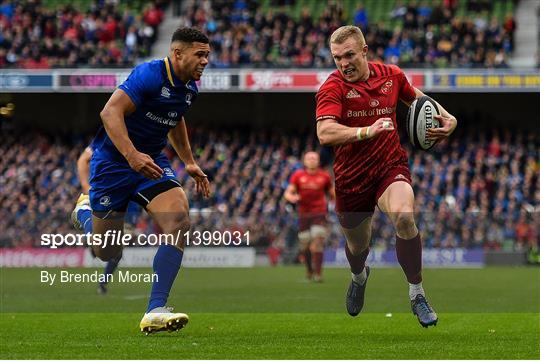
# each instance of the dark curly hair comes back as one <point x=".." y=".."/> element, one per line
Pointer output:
<point x="189" y="35"/>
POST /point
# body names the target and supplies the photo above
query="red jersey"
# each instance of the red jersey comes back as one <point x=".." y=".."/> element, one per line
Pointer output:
<point x="360" y="104"/>
<point x="312" y="189"/>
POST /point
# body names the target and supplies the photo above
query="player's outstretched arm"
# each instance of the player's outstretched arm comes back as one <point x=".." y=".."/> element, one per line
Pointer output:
<point x="331" y="133"/>
<point x="83" y="169"/>
<point x="447" y="121"/>
<point x="112" y="116"/>
<point x="178" y="137"/>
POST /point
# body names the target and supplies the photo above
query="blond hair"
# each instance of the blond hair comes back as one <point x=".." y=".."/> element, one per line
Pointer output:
<point x="340" y="35"/>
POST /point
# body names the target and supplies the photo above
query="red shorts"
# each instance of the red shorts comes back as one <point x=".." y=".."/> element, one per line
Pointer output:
<point x="353" y="208"/>
<point x="306" y="221"/>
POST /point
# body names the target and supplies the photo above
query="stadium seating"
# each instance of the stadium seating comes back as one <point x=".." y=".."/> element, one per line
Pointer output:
<point x="45" y="34"/>
<point x="487" y="182"/>
<point x="409" y="33"/>
<point x="248" y="33"/>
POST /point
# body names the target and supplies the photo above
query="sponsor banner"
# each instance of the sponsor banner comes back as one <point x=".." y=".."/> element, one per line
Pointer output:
<point x="25" y="81"/>
<point x="307" y="81"/>
<point x="193" y="258"/>
<point x="481" y="80"/>
<point x="215" y="81"/>
<point x="270" y="80"/>
<point x="430" y="258"/>
<point x="45" y="258"/>
<point x="91" y="81"/>
<point x="266" y="80"/>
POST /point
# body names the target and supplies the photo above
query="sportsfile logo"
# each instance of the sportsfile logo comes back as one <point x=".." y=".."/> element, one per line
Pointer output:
<point x="370" y="112"/>
<point x="353" y="93"/>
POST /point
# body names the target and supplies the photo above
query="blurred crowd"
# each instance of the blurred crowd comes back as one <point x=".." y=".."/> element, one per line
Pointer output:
<point x="244" y="33"/>
<point x="480" y="190"/>
<point x="35" y="36"/>
<point x="426" y="34"/>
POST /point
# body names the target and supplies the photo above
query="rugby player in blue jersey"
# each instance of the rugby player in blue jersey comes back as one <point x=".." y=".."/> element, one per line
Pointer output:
<point x="128" y="163"/>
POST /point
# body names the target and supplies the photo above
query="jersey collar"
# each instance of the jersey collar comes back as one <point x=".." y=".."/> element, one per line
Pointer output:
<point x="173" y="79"/>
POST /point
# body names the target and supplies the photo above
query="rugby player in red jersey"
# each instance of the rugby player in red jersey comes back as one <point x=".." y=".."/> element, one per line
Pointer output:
<point x="356" y="113"/>
<point x="308" y="188"/>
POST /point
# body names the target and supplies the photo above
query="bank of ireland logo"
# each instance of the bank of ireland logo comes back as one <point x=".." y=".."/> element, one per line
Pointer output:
<point x="105" y="201"/>
<point x="188" y="98"/>
<point x="387" y="87"/>
<point x="373" y="102"/>
<point x="172" y="114"/>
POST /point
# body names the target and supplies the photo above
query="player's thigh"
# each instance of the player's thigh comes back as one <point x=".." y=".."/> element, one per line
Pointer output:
<point x="398" y="197"/>
<point x="107" y="228"/>
<point x="397" y="202"/>
<point x="304" y="238"/>
<point x="318" y="236"/>
<point x="170" y="210"/>
<point x="359" y="236"/>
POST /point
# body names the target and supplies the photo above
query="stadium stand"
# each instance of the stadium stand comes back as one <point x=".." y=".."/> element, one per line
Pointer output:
<point x="486" y="181"/>
<point x="48" y="34"/>
<point x="464" y="33"/>
<point x="408" y="33"/>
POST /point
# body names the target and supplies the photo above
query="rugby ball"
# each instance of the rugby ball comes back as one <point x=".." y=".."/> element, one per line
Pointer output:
<point x="420" y="118"/>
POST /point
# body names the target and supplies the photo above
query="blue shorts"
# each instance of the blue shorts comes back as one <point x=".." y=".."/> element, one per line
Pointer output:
<point x="114" y="184"/>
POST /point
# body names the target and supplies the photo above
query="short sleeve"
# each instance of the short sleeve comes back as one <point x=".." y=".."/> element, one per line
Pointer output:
<point x="406" y="90"/>
<point x="328" y="100"/>
<point x="294" y="179"/>
<point x="142" y="80"/>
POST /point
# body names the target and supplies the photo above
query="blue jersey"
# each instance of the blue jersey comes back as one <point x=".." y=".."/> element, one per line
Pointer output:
<point x="161" y="99"/>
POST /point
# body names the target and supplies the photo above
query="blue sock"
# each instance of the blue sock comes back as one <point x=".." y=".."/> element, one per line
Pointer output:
<point x="85" y="217"/>
<point x="166" y="265"/>
<point x="111" y="266"/>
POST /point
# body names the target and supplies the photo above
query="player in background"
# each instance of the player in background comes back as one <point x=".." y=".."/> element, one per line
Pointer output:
<point x="128" y="163"/>
<point x="308" y="187"/>
<point x="132" y="213"/>
<point x="356" y="113"/>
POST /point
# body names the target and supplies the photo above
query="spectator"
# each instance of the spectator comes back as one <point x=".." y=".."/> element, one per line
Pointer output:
<point x="32" y="36"/>
<point x="361" y="17"/>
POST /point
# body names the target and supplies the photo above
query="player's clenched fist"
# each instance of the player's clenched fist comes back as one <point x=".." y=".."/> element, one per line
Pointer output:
<point x="144" y="164"/>
<point x="381" y="125"/>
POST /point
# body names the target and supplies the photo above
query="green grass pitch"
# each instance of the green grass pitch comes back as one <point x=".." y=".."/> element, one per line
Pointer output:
<point x="259" y="313"/>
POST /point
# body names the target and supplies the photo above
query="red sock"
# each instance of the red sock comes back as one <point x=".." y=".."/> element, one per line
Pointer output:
<point x="317" y="260"/>
<point x="409" y="255"/>
<point x="357" y="262"/>
<point x="307" y="257"/>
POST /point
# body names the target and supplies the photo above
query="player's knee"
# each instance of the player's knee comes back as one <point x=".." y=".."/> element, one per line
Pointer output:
<point x="404" y="223"/>
<point x="357" y="248"/>
<point x="177" y="222"/>
<point x="317" y="245"/>
<point x="358" y="240"/>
